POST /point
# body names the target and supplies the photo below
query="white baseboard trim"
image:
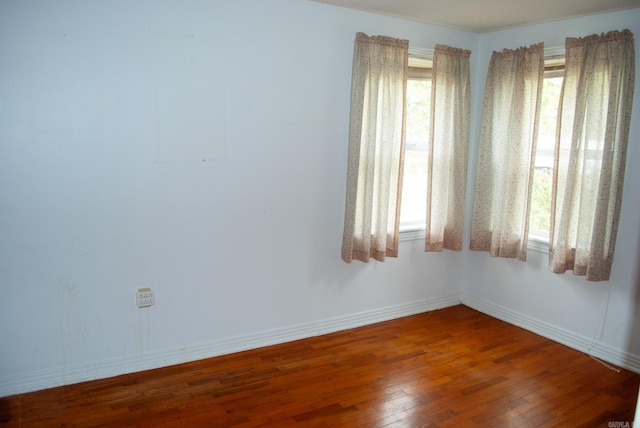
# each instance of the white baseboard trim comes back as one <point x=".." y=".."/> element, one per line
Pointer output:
<point x="601" y="351"/>
<point x="34" y="381"/>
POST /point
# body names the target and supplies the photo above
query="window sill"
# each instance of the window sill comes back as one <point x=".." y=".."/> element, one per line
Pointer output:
<point x="411" y="234"/>
<point x="538" y="243"/>
<point x="535" y="243"/>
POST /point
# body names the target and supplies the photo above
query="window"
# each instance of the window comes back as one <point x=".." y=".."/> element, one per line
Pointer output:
<point x="413" y="202"/>
<point x="376" y="136"/>
<point x="540" y="211"/>
<point x="377" y="131"/>
<point x="414" y="185"/>
<point x="593" y="119"/>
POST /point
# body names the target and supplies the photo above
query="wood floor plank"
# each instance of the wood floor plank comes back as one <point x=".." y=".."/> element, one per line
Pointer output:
<point x="452" y="367"/>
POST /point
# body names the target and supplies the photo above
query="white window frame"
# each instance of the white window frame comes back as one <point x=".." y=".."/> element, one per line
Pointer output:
<point x="412" y="232"/>
<point x="552" y="55"/>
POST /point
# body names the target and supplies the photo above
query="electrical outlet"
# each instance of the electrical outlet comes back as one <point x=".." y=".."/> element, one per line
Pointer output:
<point x="144" y="297"/>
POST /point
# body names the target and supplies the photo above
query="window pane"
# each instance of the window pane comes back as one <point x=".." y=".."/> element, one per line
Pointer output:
<point x="414" y="187"/>
<point x="540" y="214"/>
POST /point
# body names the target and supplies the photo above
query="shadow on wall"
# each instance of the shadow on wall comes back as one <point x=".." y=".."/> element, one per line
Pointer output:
<point x="634" y="339"/>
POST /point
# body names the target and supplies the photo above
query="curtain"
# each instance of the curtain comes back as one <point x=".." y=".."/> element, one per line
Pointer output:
<point x="376" y="148"/>
<point x="500" y="217"/>
<point x="448" y="148"/>
<point x="590" y="153"/>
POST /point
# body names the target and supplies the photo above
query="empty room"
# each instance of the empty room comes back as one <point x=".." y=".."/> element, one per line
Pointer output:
<point x="184" y="187"/>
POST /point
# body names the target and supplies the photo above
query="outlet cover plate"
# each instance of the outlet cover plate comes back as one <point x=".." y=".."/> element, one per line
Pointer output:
<point x="144" y="297"/>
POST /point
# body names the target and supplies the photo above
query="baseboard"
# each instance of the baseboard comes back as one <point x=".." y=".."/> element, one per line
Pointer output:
<point x="583" y="344"/>
<point x="67" y="375"/>
<point x="44" y="379"/>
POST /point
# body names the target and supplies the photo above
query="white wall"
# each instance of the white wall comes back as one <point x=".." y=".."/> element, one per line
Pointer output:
<point x="567" y="307"/>
<point x="197" y="148"/>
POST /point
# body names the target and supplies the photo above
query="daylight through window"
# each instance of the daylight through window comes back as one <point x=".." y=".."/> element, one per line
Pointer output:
<point x="418" y="110"/>
<point x="540" y="213"/>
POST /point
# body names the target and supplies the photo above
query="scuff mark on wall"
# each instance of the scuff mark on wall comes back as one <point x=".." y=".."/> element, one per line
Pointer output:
<point x="73" y="330"/>
<point x="137" y="274"/>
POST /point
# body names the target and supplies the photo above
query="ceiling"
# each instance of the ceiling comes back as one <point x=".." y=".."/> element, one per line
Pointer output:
<point x="483" y="16"/>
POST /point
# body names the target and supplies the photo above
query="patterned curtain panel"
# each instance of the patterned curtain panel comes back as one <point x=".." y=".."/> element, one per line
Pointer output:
<point x="448" y="148"/>
<point x="591" y="149"/>
<point x="376" y="148"/>
<point x="500" y="218"/>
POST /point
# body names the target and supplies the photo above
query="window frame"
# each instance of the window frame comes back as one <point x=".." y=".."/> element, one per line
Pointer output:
<point x="420" y="68"/>
<point x="554" y="62"/>
<point x="554" y="58"/>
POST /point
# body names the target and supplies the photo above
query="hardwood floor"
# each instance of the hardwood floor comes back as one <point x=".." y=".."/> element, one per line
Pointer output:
<point x="452" y="367"/>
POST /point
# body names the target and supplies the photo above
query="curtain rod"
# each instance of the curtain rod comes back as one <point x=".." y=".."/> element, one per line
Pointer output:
<point x="428" y="52"/>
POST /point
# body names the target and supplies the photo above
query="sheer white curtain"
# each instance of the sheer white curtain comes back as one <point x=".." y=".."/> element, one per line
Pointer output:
<point x="500" y="218"/>
<point x="448" y="148"/>
<point x="590" y="155"/>
<point x="376" y="148"/>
